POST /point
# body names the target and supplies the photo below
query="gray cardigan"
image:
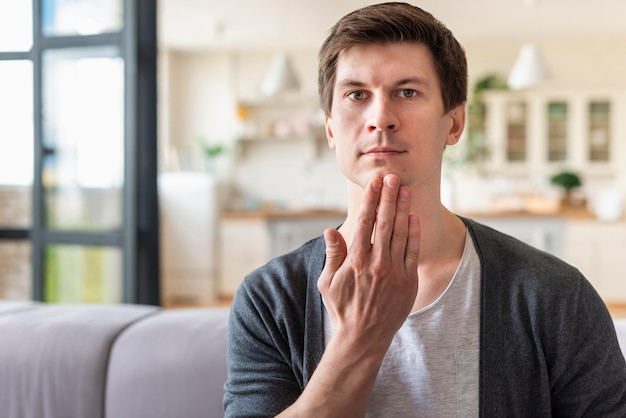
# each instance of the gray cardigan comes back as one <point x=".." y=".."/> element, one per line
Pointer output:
<point x="548" y="344"/>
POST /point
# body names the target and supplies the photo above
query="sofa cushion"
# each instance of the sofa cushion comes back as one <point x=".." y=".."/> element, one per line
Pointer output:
<point x="53" y="358"/>
<point x="170" y="365"/>
<point x="10" y="306"/>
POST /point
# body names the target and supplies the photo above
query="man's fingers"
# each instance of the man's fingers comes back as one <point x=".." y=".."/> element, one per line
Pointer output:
<point x="385" y="218"/>
<point x="367" y="216"/>
<point x="400" y="232"/>
<point x="413" y="245"/>
<point x="336" y="252"/>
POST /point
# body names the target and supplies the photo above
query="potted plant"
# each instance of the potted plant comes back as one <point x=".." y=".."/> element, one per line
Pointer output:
<point x="474" y="152"/>
<point x="210" y="151"/>
<point x="568" y="181"/>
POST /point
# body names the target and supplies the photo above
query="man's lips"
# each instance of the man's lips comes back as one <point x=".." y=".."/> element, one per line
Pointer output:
<point x="382" y="152"/>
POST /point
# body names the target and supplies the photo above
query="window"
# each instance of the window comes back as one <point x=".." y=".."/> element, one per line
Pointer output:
<point x="78" y="195"/>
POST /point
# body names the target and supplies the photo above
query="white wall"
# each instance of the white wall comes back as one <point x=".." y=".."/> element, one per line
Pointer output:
<point x="574" y="63"/>
<point x="203" y="87"/>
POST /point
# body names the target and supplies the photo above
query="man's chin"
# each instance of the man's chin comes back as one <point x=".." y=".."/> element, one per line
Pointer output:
<point x="376" y="174"/>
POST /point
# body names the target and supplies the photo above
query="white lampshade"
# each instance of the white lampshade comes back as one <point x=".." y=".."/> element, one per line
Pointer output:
<point x="529" y="69"/>
<point x="281" y="77"/>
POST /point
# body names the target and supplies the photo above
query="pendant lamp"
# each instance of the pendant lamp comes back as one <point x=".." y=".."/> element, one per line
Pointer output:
<point x="529" y="69"/>
<point x="281" y="77"/>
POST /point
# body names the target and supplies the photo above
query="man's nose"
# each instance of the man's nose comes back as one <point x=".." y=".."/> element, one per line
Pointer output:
<point x="382" y="116"/>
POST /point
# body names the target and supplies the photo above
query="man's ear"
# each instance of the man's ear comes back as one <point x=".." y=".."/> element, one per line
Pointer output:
<point x="458" y="115"/>
<point x="329" y="132"/>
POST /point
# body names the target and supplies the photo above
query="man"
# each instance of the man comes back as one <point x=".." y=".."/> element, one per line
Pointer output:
<point x="407" y="309"/>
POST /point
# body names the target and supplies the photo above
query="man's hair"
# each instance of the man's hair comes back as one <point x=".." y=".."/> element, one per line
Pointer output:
<point x="392" y="23"/>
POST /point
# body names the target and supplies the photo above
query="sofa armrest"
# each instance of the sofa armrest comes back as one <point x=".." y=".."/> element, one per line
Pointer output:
<point x="170" y="365"/>
<point x="53" y="358"/>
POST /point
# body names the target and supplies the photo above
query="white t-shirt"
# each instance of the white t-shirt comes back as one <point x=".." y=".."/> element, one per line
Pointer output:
<point x="432" y="366"/>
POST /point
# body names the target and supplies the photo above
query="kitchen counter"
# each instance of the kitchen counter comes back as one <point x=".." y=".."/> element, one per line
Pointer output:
<point x="269" y="213"/>
<point x="567" y="212"/>
<point x="249" y="238"/>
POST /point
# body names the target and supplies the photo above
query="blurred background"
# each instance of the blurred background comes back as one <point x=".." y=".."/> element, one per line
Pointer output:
<point x="237" y="161"/>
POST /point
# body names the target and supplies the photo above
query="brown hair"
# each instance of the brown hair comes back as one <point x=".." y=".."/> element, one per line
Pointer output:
<point x="395" y="22"/>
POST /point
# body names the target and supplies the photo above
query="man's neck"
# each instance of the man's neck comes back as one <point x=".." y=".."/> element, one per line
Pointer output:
<point x="439" y="229"/>
<point x="442" y="241"/>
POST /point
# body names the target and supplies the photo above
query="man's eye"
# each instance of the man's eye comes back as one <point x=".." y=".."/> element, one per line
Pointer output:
<point x="357" y="95"/>
<point x="408" y="93"/>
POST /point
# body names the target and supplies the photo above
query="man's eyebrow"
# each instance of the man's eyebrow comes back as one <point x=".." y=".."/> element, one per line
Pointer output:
<point x="350" y="83"/>
<point x="413" y="80"/>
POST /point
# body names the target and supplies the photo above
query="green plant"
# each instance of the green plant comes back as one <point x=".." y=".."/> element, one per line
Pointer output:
<point x="475" y="150"/>
<point x="213" y="150"/>
<point x="210" y="151"/>
<point x="568" y="180"/>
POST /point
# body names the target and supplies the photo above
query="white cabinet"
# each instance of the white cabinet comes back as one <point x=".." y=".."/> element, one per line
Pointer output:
<point x="289" y="234"/>
<point x="544" y="233"/>
<point x="249" y="241"/>
<point x="543" y="131"/>
<point x="188" y="216"/>
<point x="244" y="247"/>
<point x="598" y="249"/>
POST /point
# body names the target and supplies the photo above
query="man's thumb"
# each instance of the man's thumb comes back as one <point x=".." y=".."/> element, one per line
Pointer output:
<point x="336" y="250"/>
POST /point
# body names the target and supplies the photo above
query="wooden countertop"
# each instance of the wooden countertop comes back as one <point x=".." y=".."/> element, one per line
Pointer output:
<point x="568" y="213"/>
<point x="564" y="212"/>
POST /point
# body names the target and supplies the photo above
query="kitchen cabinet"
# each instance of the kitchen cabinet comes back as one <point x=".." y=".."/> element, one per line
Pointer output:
<point x="244" y="244"/>
<point x="250" y="239"/>
<point x="288" y="234"/>
<point x="597" y="249"/>
<point x="544" y="130"/>
<point x="545" y="233"/>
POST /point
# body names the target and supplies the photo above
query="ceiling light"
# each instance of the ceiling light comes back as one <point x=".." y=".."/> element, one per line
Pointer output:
<point x="529" y="69"/>
<point x="281" y="77"/>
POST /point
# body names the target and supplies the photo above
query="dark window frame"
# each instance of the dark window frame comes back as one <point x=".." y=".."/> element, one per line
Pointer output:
<point x="138" y="238"/>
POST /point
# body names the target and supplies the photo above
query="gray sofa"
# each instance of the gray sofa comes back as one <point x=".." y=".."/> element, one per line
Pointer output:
<point x="116" y="361"/>
<point x="111" y="361"/>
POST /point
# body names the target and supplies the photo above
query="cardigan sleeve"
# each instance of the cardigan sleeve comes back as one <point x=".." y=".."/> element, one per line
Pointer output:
<point x="589" y="377"/>
<point x="275" y="335"/>
<point x="261" y="382"/>
<point x="548" y="342"/>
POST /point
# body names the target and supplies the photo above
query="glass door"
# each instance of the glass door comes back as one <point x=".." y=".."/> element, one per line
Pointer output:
<point x="16" y="149"/>
<point x="86" y="167"/>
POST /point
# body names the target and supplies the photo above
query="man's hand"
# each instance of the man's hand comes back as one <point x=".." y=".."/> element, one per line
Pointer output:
<point x="369" y="290"/>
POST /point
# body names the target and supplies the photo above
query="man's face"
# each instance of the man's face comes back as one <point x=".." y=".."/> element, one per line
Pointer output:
<point x="387" y="114"/>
